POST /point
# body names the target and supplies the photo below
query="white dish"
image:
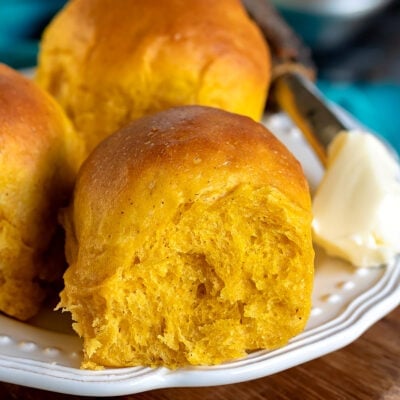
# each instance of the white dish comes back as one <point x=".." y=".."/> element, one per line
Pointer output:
<point x="45" y="353"/>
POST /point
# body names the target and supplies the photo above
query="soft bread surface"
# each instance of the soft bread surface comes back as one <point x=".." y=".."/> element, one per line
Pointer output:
<point x="188" y="242"/>
<point x="39" y="158"/>
<point x="111" y="61"/>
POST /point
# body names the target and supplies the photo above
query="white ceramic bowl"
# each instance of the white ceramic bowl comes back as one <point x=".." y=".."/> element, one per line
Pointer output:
<point x="328" y="24"/>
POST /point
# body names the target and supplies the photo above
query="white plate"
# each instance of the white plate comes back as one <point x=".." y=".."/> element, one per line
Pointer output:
<point x="46" y="354"/>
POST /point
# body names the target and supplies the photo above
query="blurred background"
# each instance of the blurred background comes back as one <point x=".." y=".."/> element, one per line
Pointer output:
<point x="355" y="46"/>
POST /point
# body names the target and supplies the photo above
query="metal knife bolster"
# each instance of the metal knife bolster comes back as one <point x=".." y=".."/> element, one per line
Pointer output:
<point x="303" y="102"/>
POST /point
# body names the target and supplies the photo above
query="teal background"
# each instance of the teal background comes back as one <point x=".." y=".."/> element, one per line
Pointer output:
<point x="21" y="25"/>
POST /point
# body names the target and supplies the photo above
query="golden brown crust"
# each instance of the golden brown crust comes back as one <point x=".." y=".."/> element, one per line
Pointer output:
<point x="186" y="139"/>
<point x="108" y="62"/>
<point x="188" y="242"/>
<point x="39" y="157"/>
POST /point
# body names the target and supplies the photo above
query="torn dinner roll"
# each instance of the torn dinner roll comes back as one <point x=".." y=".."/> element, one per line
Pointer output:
<point x="188" y="242"/>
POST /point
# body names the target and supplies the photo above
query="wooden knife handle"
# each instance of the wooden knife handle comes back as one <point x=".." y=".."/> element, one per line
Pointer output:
<point x="289" y="53"/>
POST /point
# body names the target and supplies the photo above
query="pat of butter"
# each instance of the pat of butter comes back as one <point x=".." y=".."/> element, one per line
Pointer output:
<point x="357" y="205"/>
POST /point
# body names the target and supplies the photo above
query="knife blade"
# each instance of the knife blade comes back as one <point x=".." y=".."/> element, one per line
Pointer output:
<point x="293" y="73"/>
<point x="308" y="109"/>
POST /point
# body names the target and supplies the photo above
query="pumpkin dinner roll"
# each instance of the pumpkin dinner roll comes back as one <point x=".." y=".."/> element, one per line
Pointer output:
<point x="188" y="242"/>
<point x="39" y="158"/>
<point x="111" y="61"/>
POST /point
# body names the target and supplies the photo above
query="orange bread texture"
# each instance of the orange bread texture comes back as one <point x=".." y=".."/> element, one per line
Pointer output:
<point x="39" y="158"/>
<point x="108" y="62"/>
<point x="188" y="242"/>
